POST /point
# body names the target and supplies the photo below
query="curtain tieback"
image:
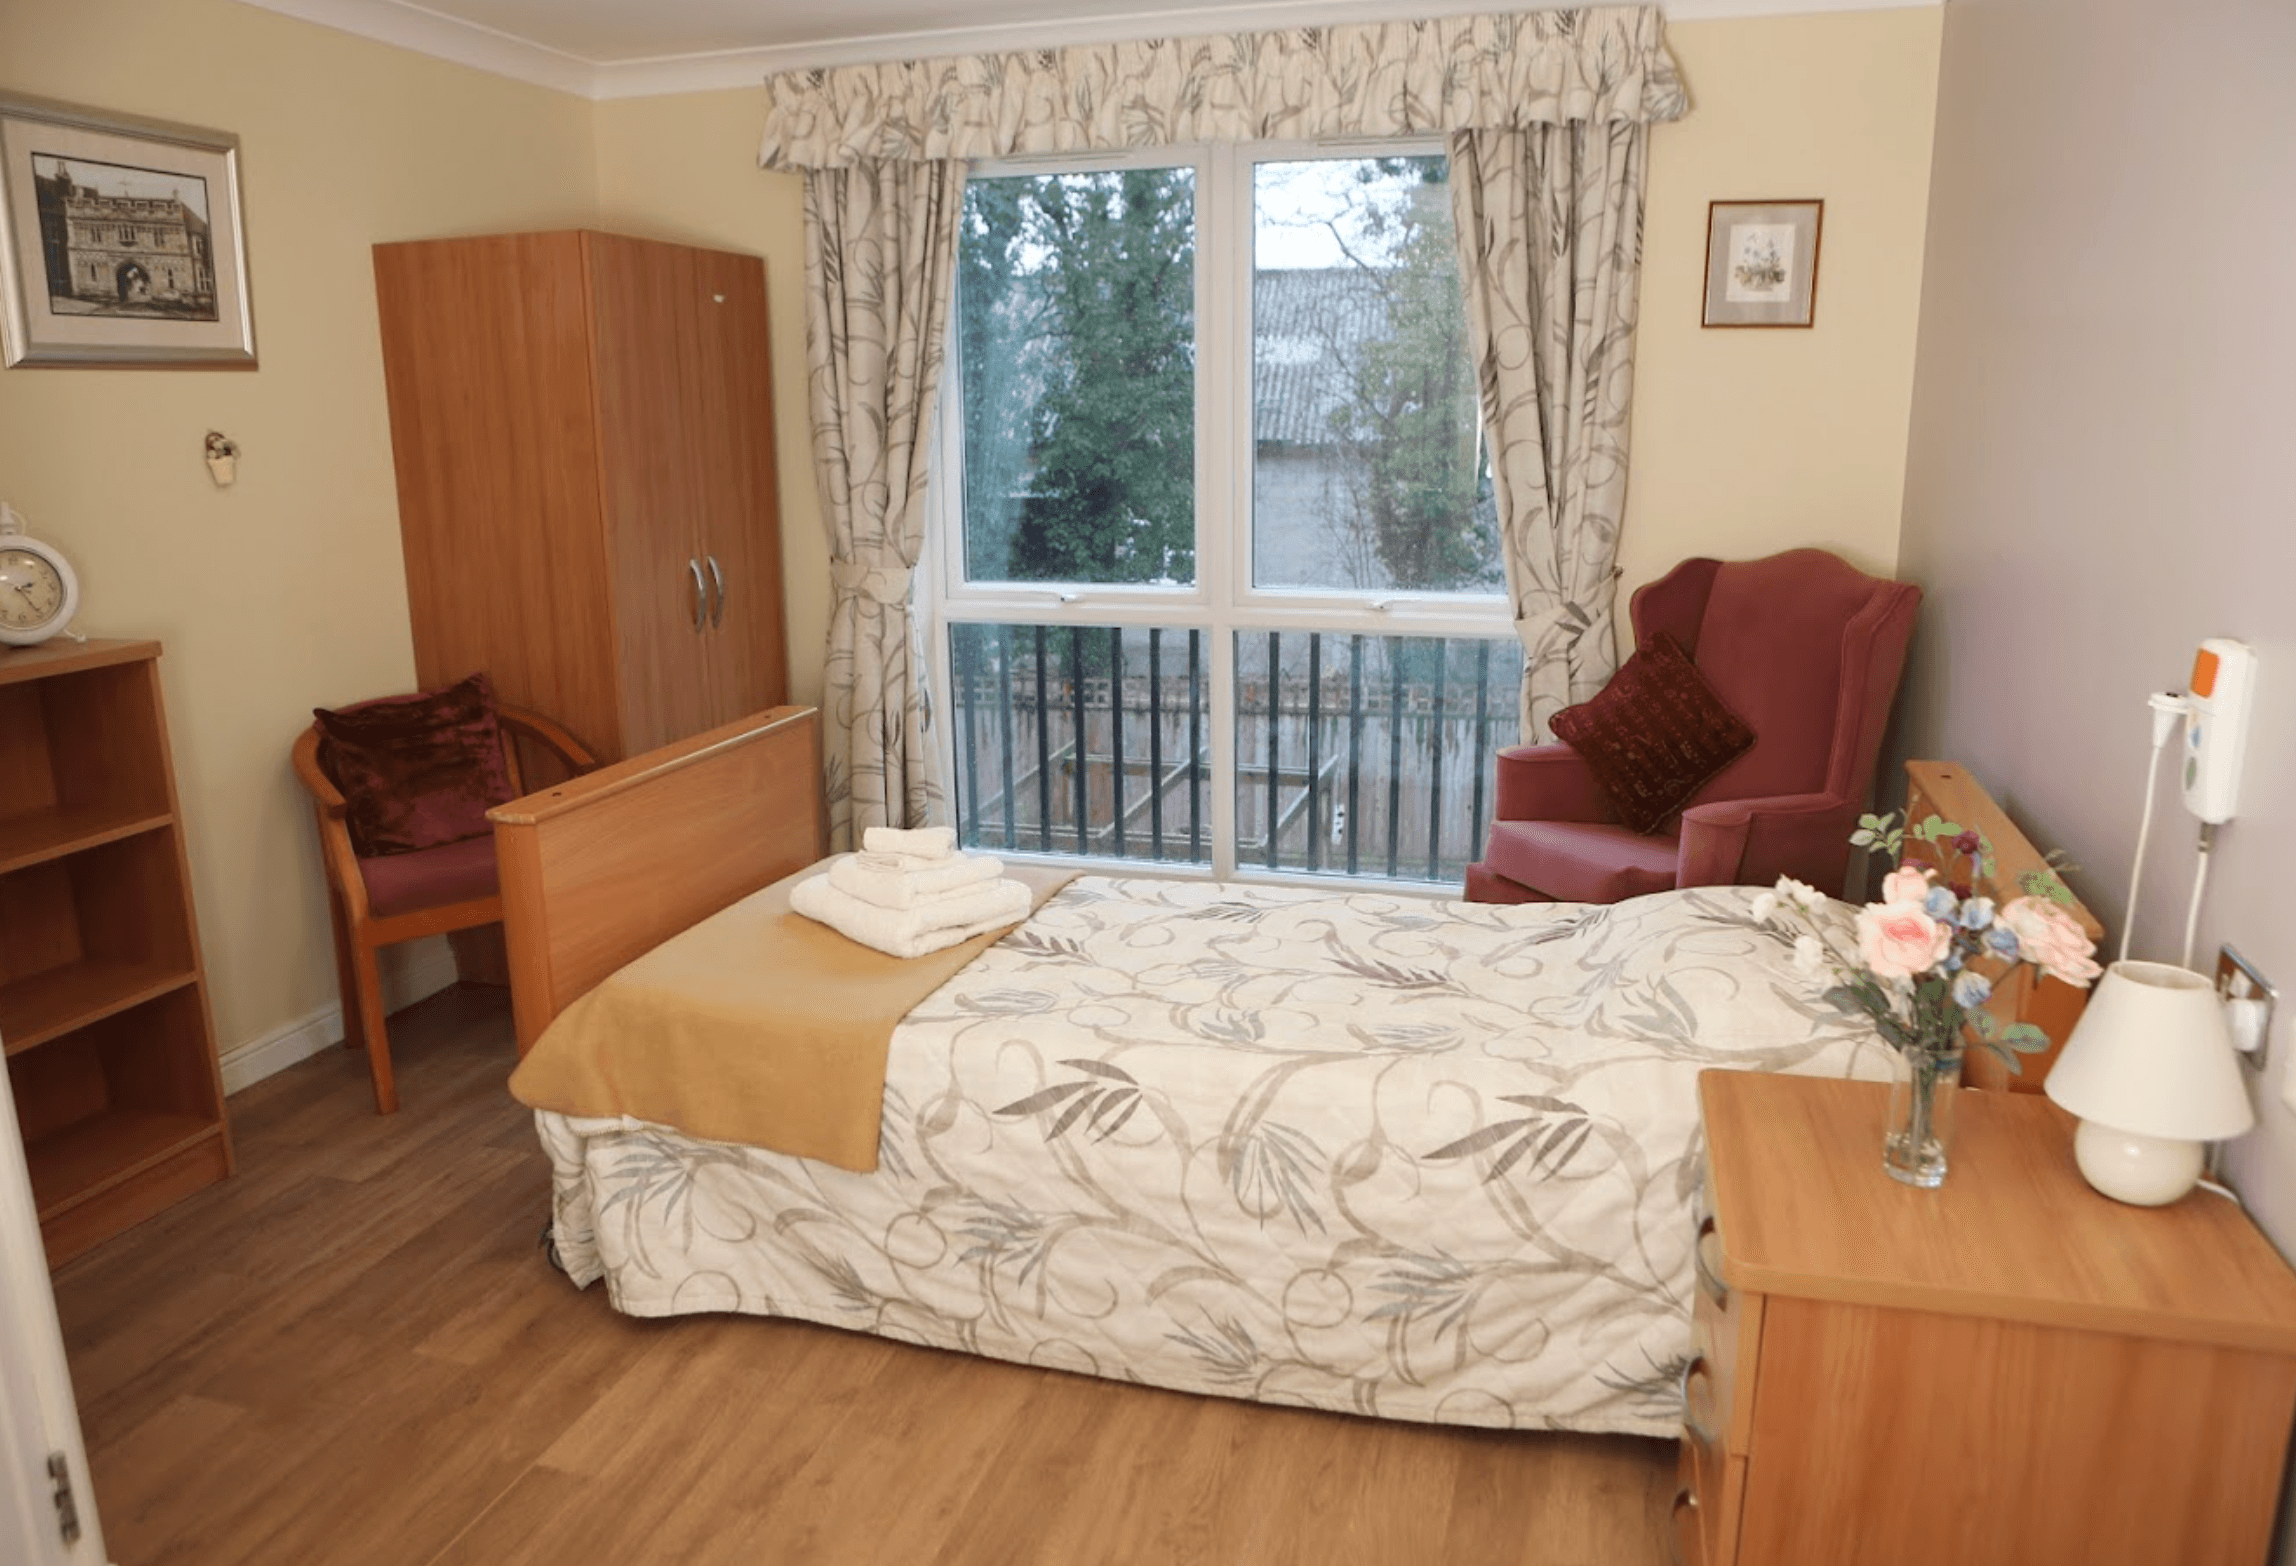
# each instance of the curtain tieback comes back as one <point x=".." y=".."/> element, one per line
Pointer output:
<point x="887" y="585"/>
<point x="1568" y="621"/>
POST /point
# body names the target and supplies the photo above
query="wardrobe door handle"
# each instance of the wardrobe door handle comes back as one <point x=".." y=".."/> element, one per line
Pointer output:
<point x="701" y="593"/>
<point x="717" y="616"/>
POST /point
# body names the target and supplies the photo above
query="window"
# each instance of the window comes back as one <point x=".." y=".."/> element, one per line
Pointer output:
<point x="1219" y="575"/>
<point x="1076" y="321"/>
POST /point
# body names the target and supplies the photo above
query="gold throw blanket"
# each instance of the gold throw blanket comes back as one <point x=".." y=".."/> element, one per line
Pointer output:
<point x="756" y="1026"/>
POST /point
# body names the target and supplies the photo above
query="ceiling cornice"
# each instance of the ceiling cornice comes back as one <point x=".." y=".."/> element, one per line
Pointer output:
<point x="447" y="38"/>
<point x="410" y="26"/>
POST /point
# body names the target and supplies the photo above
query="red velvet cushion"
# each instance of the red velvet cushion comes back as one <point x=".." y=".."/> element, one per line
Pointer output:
<point x="416" y="771"/>
<point x="1655" y="734"/>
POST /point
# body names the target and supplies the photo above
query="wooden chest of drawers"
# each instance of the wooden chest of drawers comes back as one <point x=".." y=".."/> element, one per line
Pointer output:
<point x="2011" y="1369"/>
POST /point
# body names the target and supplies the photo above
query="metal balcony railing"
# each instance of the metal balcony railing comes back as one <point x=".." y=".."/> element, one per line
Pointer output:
<point x="1356" y="754"/>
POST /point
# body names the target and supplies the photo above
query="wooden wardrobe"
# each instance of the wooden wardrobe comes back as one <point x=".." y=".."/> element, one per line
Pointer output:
<point x="583" y="430"/>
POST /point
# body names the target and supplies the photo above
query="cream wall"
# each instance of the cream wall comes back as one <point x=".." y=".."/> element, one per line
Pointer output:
<point x="1747" y="442"/>
<point x="685" y="168"/>
<point x="286" y="591"/>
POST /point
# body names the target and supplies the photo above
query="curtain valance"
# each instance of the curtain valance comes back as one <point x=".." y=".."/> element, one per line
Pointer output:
<point x="1606" y="65"/>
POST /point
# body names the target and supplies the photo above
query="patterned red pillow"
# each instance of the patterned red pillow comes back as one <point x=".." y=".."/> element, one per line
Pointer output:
<point x="1655" y="735"/>
<point x="416" y="771"/>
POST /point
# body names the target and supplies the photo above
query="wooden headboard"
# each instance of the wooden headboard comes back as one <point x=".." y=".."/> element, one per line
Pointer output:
<point x="603" y="868"/>
<point x="1940" y="788"/>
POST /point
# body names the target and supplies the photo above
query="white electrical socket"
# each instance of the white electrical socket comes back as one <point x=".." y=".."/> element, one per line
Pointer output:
<point x="2288" y="1072"/>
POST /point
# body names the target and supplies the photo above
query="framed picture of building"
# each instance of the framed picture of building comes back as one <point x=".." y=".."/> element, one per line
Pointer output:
<point x="1762" y="262"/>
<point x="121" y="241"/>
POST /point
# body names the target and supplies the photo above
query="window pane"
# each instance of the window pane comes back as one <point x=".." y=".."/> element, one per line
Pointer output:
<point x="1082" y="739"/>
<point x="1367" y="472"/>
<point x="1371" y="755"/>
<point x="1076" y="323"/>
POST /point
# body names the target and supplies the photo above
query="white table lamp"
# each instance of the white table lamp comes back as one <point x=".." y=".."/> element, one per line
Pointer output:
<point x="2151" y="1073"/>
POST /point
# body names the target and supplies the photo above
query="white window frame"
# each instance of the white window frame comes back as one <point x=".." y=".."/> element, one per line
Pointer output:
<point x="1223" y="602"/>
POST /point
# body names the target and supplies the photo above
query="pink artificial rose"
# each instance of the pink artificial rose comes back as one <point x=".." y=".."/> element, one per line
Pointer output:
<point x="2048" y="937"/>
<point x="1898" y="940"/>
<point x="1905" y="884"/>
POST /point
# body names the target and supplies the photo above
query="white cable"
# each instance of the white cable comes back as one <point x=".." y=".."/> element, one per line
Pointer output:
<point x="2137" y="870"/>
<point x="2199" y="880"/>
<point x="2166" y="710"/>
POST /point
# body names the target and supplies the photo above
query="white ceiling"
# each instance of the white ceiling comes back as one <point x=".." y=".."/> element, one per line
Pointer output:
<point x="632" y="48"/>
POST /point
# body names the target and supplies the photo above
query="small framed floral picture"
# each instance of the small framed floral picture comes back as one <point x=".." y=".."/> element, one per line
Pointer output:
<point x="1762" y="262"/>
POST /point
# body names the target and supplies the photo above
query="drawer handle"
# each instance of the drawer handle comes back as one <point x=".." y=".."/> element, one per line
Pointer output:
<point x="717" y="615"/>
<point x="1711" y="1285"/>
<point x="1685" y="1500"/>
<point x="701" y="593"/>
<point x="1698" y="1432"/>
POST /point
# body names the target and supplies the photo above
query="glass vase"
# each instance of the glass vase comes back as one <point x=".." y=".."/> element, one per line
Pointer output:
<point x="1919" y="1130"/>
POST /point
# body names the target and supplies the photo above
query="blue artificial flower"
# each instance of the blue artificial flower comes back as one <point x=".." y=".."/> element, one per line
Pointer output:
<point x="1971" y="990"/>
<point x="2003" y="941"/>
<point x="1977" y="913"/>
<point x="1940" y="903"/>
<point x="1951" y="962"/>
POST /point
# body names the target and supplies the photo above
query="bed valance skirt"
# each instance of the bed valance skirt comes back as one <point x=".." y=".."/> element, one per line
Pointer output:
<point x="1605" y="65"/>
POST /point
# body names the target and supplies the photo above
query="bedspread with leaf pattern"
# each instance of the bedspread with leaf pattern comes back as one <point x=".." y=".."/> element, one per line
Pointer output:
<point x="1364" y="1152"/>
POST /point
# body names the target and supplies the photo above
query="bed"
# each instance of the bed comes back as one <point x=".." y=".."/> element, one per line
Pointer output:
<point x="1353" y="1151"/>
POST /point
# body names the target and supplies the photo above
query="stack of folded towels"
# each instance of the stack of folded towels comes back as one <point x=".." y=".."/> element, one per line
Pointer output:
<point x="909" y="892"/>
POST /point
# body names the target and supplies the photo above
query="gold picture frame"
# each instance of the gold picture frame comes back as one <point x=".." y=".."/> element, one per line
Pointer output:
<point x="121" y="241"/>
<point x="1762" y="262"/>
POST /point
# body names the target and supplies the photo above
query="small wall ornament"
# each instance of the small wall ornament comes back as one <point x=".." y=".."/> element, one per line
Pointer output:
<point x="222" y="459"/>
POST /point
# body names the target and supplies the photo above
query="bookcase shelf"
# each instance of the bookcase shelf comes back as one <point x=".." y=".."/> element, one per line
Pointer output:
<point x="103" y="1004"/>
<point x="49" y="1005"/>
<point x="36" y="836"/>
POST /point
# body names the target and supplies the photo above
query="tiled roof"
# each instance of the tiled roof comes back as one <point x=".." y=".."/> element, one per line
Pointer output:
<point x="1307" y="325"/>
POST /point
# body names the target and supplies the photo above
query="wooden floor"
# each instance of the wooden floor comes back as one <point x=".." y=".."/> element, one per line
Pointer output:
<point x="354" y="1351"/>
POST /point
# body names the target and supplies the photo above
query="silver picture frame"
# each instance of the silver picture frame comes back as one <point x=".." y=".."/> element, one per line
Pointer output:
<point x="122" y="241"/>
<point x="1762" y="262"/>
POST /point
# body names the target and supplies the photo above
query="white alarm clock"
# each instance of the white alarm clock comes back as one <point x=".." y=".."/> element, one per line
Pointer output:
<point x="38" y="592"/>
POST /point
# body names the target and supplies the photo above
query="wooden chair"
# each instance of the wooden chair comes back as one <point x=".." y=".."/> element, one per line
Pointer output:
<point x="378" y="902"/>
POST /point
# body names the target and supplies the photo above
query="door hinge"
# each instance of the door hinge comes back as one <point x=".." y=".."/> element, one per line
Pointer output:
<point x="67" y="1509"/>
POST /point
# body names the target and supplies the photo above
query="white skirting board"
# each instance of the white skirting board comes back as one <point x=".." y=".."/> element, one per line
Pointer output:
<point x="425" y="968"/>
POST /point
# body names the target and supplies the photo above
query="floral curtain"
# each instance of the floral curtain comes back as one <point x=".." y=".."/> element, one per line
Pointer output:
<point x="1550" y="237"/>
<point x="880" y="259"/>
<point x="1548" y="114"/>
<point x="1599" y="66"/>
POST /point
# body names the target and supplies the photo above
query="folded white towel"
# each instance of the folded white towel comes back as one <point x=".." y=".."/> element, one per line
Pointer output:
<point x="906" y="932"/>
<point x="924" y="842"/>
<point x="904" y="881"/>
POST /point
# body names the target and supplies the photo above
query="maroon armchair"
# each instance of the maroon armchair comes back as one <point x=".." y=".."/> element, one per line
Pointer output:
<point x="1805" y="648"/>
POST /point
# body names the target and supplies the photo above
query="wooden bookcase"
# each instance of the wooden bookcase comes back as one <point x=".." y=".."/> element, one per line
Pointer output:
<point x="103" y="1005"/>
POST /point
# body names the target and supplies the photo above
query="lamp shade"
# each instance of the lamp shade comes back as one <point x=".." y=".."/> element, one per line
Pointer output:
<point x="2151" y="1054"/>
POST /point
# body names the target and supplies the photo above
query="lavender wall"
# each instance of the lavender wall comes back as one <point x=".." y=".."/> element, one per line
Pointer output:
<point x="2100" y="471"/>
